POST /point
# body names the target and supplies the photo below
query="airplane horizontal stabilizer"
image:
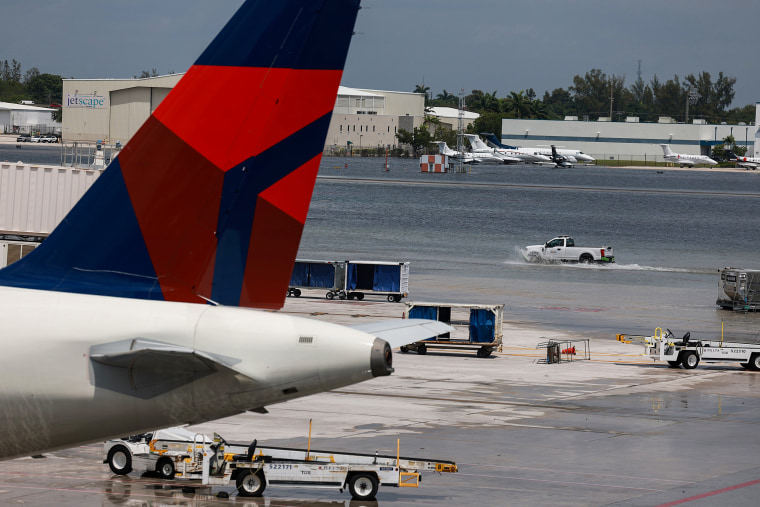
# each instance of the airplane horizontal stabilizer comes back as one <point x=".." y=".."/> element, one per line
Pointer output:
<point x="403" y="332"/>
<point x="148" y="368"/>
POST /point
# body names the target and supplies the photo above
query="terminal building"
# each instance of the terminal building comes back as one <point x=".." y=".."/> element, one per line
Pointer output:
<point x="629" y="140"/>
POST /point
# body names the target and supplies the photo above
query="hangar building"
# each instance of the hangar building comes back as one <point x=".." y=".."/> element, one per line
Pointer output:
<point x="26" y="119"/>
<point x="113" y="109"/>
<point x="629" y="140"/>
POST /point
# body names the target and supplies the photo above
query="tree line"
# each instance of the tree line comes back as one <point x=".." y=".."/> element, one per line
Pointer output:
<point x="596" y="94"/>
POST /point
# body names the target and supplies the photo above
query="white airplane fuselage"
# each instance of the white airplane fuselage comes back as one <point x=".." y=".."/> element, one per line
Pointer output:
<point x="64" y="396"/>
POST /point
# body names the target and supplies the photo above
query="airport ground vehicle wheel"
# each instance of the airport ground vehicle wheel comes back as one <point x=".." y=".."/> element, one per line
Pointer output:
<point x="534" y="257"/>
<point x="362" y="486"/>
<point x="250" y="483"/>
<point x="421" y="350"/>
<point x="484" y="351"/>
<point x="297" y="293"/>
<point x="744" y="365"/>
<point x="165" y="468"/>
<point x="754" y="362"/>
<point x="360" y="296"/>
<point x="586" y="259"/>
<point x="404" y="349"/>
<point x="342" y="295"/>
<point x="330" y="295"/>
<point x="689" y="359"/>
<point x="397" y="298"/>
<point x="675" y="364"/>
<point x="120" y="460"/>
<point x="391" y="298"/>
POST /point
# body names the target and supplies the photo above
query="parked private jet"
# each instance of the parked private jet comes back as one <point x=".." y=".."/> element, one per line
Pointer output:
<point x="139" y="310"/>
<point x="684" y="158"/>
<point x="746" y="162"/>
<point x="571" y="156"/>
<point x="526" y="155"/>
<point x="479" y="147"/>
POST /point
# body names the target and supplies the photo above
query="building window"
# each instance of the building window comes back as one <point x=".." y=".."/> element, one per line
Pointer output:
<point x="354" y="128"/>
<point x="341" y="128"/>
<point x="373" y="128"/>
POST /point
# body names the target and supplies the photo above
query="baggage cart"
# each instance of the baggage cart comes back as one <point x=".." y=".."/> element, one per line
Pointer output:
<point x="351" y="279"/>
<point x="477" y="327"/>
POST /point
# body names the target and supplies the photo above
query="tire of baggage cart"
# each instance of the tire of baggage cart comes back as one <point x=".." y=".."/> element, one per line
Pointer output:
<point x="484" y="352"/>
<point x="250" y="483"/>
<point x="689" y="359"/>
<point x="362" y="486"/>
<point x="421" y="350"/>
<point x="675" y="364"/>
<point x="120" y="460"/>
<point x="165" y="468"/>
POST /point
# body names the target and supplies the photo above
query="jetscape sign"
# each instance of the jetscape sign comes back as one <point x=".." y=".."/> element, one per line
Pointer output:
<point x="88" y="101"/>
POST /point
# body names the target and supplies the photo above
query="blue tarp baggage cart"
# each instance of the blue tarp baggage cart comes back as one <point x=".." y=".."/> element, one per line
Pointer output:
<point x="351" y="279"/>
<point x="477" y="327"/>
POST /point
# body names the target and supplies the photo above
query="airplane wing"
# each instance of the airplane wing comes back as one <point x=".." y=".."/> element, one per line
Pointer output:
<point x="398" y="332"/>
<point x="747" y="165"/>
<point x="147" y="368"/>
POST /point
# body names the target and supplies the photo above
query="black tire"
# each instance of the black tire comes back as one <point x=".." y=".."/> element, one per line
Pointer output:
<point x="120" y="460"/>
<point x="421" y="350"/>
<point x="689" y="359"/>
<point x="350" y="296"/>
<point x="363" y="486"/>
<point x="330" y="295"/>
<point x="675" y="364"/>
<point x="165" y="468"/>
<point x="359" y="296"/>
<point x="342" y="295"/>
<point x="586" y="259"/>
<point x="484" y="352"/>
<point x="297" y="293"/>
<point x="250" y="483"/>
<point x="397" y="298"/>
<point x="754" y="362"/>
<point x="744" y="365"/>
<point x="404" y="349"/>
<point x="391" y="298"/>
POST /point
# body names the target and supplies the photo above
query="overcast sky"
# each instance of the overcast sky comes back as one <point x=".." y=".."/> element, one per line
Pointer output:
<point x="492" y="45"/>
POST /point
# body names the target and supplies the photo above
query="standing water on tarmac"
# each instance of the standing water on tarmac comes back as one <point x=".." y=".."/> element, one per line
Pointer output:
<point x="463" y="233"/>
<point x="672" y="231"/>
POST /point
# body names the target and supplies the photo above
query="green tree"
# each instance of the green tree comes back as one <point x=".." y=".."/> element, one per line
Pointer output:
<point x="46" y="88"/>
<point x="518" y="104"/>
<point x="418" y="139"/>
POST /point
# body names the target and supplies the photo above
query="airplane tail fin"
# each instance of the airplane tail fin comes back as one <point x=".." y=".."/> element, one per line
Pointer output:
<point x="190" y="211"/>
<point x="666" y="149"/>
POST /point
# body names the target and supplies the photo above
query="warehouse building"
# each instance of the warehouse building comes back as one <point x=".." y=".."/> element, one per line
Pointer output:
<point x="628" y="140"/>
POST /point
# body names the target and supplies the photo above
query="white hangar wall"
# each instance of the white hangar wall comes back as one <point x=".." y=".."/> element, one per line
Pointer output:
<point x="639" y="141"/>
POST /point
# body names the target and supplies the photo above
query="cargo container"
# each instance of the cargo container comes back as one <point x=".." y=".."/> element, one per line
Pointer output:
<point x="477" y="327"/>
<point x="351" y="279"/>
<point x="739" y="289"/>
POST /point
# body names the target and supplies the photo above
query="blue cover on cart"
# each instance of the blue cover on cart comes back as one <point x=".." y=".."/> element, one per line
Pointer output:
<point x="322" y="275"/>
<point x="387" y="278"/>
<point x="300" y="276"/>
<point x="482" y="326"/>
<point x="424" y="312"/>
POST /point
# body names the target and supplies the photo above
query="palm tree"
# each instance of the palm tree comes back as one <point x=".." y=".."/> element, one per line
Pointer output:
<point x="518" y="104"/>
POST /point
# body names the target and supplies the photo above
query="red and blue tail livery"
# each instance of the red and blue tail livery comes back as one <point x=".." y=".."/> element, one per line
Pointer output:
<point x="207" y="201"/>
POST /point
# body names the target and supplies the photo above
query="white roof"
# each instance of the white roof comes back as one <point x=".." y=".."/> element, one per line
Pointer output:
<point x="450" y="112"/>
<point x="355" y="92"/>
<point x="23" y="107"/>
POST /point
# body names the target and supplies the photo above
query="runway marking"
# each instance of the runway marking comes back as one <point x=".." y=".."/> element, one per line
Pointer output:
<point x="343" y="179"/>
<point x="711" y="493"/>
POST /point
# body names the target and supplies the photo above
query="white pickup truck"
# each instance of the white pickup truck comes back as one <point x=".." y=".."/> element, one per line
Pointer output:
<point x="563" y="249"/>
